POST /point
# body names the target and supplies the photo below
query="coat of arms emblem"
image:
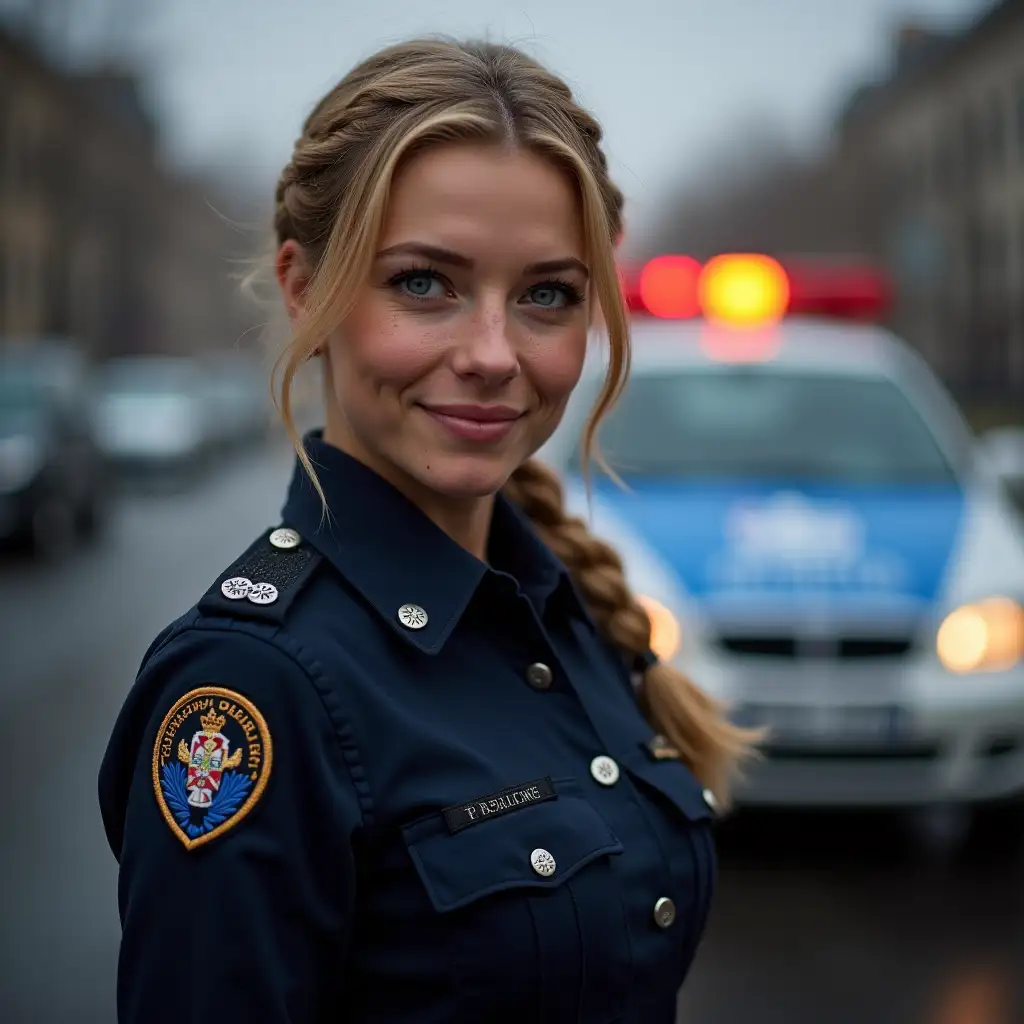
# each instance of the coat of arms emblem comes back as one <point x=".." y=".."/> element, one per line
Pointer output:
<point x="210" y="764"/>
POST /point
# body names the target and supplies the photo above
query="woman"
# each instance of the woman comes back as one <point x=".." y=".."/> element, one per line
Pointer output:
<point x="411" y="758"/>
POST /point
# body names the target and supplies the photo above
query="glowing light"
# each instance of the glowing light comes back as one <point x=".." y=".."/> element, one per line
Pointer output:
<point x="666" y="635"/>
<point x="988" y="636"/>
<point x="668" y="287"/>
<point x="743" y="290"/>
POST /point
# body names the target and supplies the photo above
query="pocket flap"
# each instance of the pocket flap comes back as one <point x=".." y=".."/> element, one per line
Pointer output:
<point x="673" y="780"/>
<point x="496" y="854"/>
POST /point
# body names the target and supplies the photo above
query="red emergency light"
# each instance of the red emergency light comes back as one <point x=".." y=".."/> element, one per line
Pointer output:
<point x="750" y="290"/>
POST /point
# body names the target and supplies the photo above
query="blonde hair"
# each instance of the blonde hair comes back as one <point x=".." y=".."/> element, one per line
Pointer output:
<point x="332" y="200"/>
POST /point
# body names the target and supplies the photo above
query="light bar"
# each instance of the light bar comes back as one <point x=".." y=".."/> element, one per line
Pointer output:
<point x="750" y="290"/>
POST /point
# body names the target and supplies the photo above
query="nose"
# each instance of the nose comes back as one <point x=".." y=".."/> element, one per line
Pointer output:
<point x="488" y="352"/>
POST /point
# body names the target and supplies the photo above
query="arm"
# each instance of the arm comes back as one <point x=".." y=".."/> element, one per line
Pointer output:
<point x="233" y="837"/>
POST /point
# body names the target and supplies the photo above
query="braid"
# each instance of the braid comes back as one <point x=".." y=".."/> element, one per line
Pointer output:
<point x="693" y="721"/>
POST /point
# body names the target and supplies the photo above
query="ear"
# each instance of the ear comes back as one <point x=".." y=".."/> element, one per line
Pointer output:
<point x="292" y="271"/>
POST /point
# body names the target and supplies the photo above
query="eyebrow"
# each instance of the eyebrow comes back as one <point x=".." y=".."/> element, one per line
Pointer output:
<point x="454" y="259"/>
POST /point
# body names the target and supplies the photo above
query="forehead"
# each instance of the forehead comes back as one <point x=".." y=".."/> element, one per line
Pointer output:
<point x="469" y="196"/>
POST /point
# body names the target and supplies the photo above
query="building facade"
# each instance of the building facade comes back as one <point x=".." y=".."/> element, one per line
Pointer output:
<point x="98" y="241"/>
<point x="934" y="160"/>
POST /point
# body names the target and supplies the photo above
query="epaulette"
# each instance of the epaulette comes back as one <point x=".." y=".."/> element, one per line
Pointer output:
<point x="265" y="580"/>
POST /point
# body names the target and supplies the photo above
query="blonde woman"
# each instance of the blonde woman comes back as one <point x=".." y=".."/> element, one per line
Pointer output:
<point x="410" y="758"/>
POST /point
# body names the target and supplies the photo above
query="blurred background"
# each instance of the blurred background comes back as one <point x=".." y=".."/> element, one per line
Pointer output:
<point x="139" y="146"/>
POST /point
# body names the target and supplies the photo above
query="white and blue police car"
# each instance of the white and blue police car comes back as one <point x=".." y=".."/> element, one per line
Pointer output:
<point x="805" y="515"/>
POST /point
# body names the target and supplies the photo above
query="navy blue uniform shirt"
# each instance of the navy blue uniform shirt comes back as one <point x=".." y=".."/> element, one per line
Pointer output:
<point x="370" y="778"/>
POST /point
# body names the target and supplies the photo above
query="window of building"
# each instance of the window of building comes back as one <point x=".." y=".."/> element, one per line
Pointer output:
<point x="1019" y="117"/>
<point x="944" y="157"/>
<point x="995" y="131"/>
<point x="972" y="130"/>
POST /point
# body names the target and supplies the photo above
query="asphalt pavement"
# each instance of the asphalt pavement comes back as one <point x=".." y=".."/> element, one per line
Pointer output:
<point x="819" y="919"/>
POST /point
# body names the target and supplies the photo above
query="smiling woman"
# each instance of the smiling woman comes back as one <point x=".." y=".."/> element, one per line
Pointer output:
<point x="480" y="769"/>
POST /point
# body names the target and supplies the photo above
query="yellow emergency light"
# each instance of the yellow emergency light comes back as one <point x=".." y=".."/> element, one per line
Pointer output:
<point x="744" y="290"/>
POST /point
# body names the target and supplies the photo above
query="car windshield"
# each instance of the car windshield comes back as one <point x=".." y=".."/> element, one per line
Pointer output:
<point x="745" y="422"/>
<point x="21" y="392"/>
<point x="148" y="376"/>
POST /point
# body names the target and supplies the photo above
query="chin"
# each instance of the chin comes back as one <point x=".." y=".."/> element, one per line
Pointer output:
<point x="467" y="476"/>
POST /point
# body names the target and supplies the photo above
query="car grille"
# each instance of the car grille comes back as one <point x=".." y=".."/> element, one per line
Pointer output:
<point x="840" y="648"/>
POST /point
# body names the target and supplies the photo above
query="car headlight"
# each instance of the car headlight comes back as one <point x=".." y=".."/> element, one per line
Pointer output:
<point x="987" y="636"/>
<point x="665" y="632"/>
<point x="21" y="458"/>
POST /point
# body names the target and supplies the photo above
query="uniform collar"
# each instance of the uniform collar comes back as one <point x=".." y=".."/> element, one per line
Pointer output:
<point x="394" y="555"/>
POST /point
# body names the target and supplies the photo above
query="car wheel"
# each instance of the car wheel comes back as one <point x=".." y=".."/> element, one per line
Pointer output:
<point x="53" y="529"/>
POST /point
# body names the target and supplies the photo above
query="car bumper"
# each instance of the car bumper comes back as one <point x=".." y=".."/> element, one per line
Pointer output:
<point x="875" y="735"/>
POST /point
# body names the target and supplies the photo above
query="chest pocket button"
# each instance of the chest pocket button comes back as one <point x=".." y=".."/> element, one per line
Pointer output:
<point x="543" y="863"/>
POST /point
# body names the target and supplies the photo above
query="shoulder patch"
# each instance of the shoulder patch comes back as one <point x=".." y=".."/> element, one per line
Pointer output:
<point x="211" y="763"/>
<point x="263" y="583"/>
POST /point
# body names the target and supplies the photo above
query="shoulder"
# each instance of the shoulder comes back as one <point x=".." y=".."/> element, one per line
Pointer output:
<point x="230" y="666"/>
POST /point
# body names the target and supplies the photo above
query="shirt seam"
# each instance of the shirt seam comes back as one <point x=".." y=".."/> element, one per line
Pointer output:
<point x="312" y="669"/>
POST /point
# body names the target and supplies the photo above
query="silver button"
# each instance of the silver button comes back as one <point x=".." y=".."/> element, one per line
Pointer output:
<point x="539" y="676"/>
<point x="543" y="863"/>
<point x="285" y="539"/>
<point x="605" y="770"/>
<point x="263" y="593"/>
<point x="412" y="616"/>
<point x="236" y="589"/>
<point x="710" y="799"/>
<point x="664" y="913"/>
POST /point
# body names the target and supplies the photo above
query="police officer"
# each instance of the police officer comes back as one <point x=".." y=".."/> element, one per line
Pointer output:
<point x="410" y="758"/>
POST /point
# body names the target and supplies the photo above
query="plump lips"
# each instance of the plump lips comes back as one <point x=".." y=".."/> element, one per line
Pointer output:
<point x="475" y="422"/>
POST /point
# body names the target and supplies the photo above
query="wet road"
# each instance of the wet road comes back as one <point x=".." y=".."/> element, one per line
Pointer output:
<point x="818" y="921"/>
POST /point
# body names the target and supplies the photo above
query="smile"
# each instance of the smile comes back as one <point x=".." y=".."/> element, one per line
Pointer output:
<point x="485" y="424"/>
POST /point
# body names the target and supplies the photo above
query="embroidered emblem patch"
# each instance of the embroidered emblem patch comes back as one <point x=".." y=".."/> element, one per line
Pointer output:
<point x="211" y="763"/>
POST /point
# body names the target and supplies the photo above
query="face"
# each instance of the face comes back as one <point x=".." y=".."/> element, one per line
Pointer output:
<point x="460" y="354"/>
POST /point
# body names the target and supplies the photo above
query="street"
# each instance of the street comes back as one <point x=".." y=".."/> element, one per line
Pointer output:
<point x="818" y="920"/>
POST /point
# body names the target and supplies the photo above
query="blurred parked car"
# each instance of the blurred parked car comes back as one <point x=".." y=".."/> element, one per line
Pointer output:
<point x="52" y="480"/>
<point x="238" y="399"/>
<point x="152" y="415"/>
<point x="805" y="518"/>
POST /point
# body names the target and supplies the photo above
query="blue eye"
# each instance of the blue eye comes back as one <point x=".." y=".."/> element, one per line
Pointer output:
<point x="419" y="284"/>
<point x="548" y="297"/>
<point x="554" y="295"/>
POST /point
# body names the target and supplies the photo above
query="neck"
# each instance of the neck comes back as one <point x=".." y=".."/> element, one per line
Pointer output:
<point x="466" y="520"/>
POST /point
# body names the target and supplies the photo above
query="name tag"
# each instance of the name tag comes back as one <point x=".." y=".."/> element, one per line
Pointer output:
<point x="461" y="816"/>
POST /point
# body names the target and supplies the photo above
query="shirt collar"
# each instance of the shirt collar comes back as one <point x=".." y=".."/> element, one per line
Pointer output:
<point x="394" y="555"/>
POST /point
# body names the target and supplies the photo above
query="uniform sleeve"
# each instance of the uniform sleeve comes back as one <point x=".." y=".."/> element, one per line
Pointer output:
<point x="227" y="800"/>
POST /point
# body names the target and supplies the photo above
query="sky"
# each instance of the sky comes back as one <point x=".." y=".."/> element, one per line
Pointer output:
<point x="672" y="81"/>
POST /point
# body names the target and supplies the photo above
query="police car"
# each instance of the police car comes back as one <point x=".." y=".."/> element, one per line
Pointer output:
<point x="802" y="510"/>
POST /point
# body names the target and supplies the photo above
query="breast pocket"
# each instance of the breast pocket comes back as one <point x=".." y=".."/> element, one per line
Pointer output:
<point x="539" y="930"/>
<point x="683" y="818"/>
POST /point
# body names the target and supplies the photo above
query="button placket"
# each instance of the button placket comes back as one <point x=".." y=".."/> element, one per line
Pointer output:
<point x="604" y="770"/>
<point x="540" y="676"/>
<point x="664" y="912"/>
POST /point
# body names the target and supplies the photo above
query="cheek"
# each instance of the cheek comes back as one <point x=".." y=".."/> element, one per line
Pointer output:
<point x="382" y="349"/>
<point x="555" y="366"/>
